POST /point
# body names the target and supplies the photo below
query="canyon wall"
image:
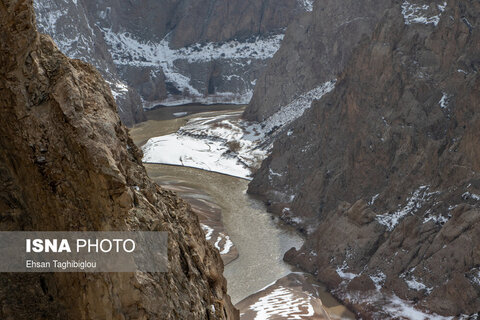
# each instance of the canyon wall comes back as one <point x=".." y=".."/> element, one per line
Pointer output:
<point x="383" y="172"/>
<point x="171" y="51"/>
<point x="76" y="35"/>
<point x="316" y="48"/>
<point x="67" y="163"/>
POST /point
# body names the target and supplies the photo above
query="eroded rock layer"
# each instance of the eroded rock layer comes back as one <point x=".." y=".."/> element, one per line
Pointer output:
<point x="67" y="163"/>
<point x="383" y="172"/>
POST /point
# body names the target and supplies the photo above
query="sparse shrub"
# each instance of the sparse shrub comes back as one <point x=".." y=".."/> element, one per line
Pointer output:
<point x="234" y="146"/>
<point x="221" y="124"/>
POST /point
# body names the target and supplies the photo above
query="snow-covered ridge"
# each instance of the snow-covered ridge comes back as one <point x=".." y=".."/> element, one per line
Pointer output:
<point x="76" y="33"/>
<point x="127" y="50"/>
<point x="297" y="107"/>
<point x="415" y="13"/>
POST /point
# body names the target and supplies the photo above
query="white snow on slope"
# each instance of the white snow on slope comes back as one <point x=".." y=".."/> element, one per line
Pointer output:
<point x="307" y="4"/>
<point x="403" y="309"/>
<point x="226" y="143"/>
<point x="439" y="219"/>
<point x="227" y="243"/>
<point x="416" y="285"/>
<point x="444" y="101"/>
<point x="126" y="50"/>
<point x="208" y="231"/>
<point x="379" y="280"/>
<point x="297" y="107"/>
<point x="192" y="152"/>
<point x="392" y="307"/>
<point x="414" y="203"/>
<point x="72" y="31"/>
<point x="415" y="13"/>
<point x="119" y="89"/>
<point x="61" y="22"/>
<point x="281" y="302"/>
<point x="345" y="275"/>
<point x="467" y="195"/>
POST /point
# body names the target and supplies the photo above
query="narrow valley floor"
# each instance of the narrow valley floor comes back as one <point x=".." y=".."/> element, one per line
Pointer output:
<point x="259" y="281"/>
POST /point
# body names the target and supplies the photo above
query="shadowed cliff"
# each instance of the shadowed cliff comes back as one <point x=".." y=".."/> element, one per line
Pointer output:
<point x="384" y="170"/>
<point x="67" y="163"/>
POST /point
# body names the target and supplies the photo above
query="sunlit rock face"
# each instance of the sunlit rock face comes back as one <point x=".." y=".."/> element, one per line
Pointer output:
<point x="382" y="173"/>
<point x="67" y="163"/>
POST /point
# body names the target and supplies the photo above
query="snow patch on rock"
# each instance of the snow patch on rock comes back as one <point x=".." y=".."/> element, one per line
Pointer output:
<point x="414" y="203"/>
<point x="224" y="144"/>
<point x="467" y="195"/>
<point x="297" y="107"/>
<point x="307" y="4"/>
<point x="422" y="14"/>
<point x="416" y="285"/>
<point x="345" y="275"/>
<point x="208" y="231"/>
<point x="444" y="101"/>
<point x="127" y="50"/>
<point x="282" y="302"/>
<point x="378" y="279"/>
<point x="227" y="243"/>
<point x="403" y="309"/>
<point x="438" y="219"/>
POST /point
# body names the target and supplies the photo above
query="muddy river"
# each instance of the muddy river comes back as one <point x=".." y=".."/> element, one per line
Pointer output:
<point x="259" y="238"/>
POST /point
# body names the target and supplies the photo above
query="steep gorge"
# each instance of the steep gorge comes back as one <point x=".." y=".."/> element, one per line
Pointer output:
<point x="171" y="51"/>
<point x="384" y="170"/>
<point x="67" y="163"/>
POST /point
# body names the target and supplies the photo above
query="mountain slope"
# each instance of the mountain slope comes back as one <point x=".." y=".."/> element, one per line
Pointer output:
<point x="383" y="172"/>
<point x="316" y="48"/>
<point x="67" y="163"/>
<point x="71" y="26"/>
<point x="171" y="51"/>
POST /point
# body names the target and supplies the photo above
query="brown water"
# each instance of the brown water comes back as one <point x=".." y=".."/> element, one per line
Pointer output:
<point x="165" y="120"/>
<point x="260" y="240"/>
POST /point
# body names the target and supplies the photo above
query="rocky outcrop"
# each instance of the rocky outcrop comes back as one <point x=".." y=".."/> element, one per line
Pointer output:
<point x="76" y="35"/>
<point x="171" y="52"/>
<point x="383" y="172"/>
<point x="316" y="48"/>
<point x="67" y="163"/>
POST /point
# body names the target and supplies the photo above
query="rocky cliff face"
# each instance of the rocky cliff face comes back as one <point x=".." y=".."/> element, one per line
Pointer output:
<point x="316" y="48"/>
<point x="383" y="172"/>
<point x="171" y="51"/>
<point x="76" y="35"/>
<point x="67" y="163"/>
